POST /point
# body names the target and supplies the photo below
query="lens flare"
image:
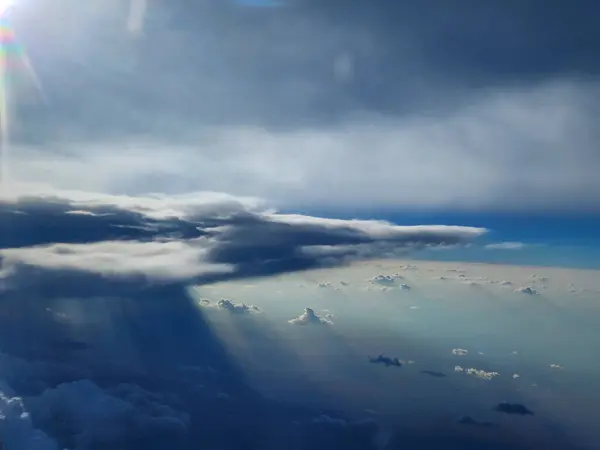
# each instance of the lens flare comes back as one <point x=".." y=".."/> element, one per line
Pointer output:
<point x="6" y="46"/>
<point x="12" y="55"/>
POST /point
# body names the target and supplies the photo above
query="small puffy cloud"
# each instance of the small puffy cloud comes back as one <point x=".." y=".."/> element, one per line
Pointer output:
<point x="460" y="351"/>
<point x="236" y="308"/>
<point x="204" y="302"/>
<point x="227" y="305"/>
<point x="505" y="246"/>
<point x="513" y="408"/>
<point x="556" y="366"/>
<point x="309" y="317"/>
<point x="516" y="376"/>
<point x="528" y="290"/>
<point x="405" y="287"/>
<point x="384" y="280"/>
<point x="324" y="284"/>
<point x="479" y="373"/>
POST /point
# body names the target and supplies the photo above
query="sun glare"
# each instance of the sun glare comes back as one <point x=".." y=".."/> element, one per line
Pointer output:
<point x="5" y="6"/>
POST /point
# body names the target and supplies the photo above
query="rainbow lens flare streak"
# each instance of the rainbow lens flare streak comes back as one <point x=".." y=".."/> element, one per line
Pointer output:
<point x="8" y="47"/>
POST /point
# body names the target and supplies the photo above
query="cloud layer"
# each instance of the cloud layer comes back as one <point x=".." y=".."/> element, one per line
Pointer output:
<point x="316" y="104"/>
<point x="191" y="239"/>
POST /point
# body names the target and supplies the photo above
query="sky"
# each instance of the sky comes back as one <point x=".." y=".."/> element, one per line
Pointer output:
<point x="153" y="148"/>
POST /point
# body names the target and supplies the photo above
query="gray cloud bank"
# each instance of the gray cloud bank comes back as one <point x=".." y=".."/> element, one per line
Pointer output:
<point x="439" y="111"/>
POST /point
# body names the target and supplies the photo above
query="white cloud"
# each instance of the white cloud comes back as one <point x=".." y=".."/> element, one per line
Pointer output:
<point x="460" y="351"/>
<point x="236" y="308"/>
<point x="309" y="317"/>
<point x="479" y="373"/>
<point x="384" y="280"/>
<point x="527" y="290"/>
<point x="506" y="246"/>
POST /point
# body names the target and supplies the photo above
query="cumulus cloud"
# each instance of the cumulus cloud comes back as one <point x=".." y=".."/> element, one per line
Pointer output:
<point x="236" y="308"/>
<point x="384" y="280"/>
<point x="478" y="373"/>
<point x="310" y="317"/>
<point x="528" y="290"/>
<point x="460" y="351"/>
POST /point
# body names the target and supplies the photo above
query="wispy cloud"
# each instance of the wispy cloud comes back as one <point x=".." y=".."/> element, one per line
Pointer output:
<point x="506" y="246"/>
